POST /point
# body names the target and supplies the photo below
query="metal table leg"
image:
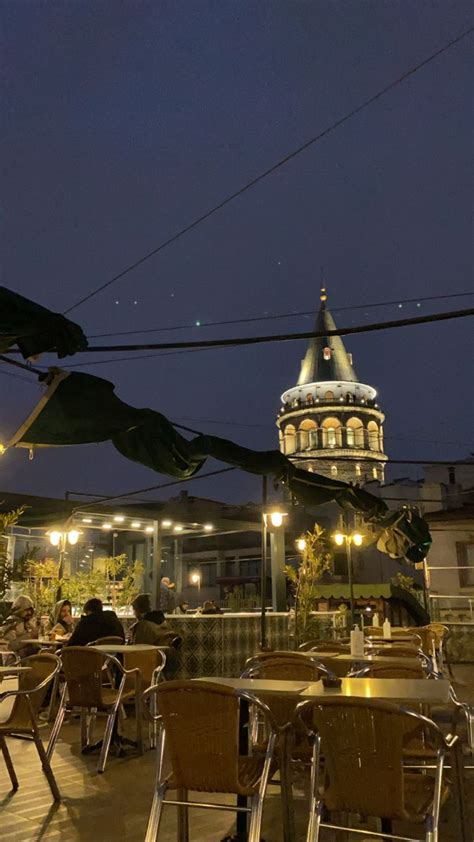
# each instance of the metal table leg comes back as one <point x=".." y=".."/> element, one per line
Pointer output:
<point x="459" y="783"/>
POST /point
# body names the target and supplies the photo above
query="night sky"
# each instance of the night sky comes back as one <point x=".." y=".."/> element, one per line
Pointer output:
<point x="124" y="121"/>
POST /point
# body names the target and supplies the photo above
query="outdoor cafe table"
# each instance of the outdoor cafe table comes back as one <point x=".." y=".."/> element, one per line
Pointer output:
<point x="409" y="691"/>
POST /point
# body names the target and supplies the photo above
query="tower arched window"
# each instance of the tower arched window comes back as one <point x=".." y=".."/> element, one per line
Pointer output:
<point x="333" y="471"/>
<point x="373" y="431"/>
<point x="306" y="429"/>
<point x="332" y="432"/>
<point x="355" y="433"/>
<point x="329" y="396"/>
<point x="358" y="471"/>
<point x="290" y="439"/>
<point x="327" y="353"/>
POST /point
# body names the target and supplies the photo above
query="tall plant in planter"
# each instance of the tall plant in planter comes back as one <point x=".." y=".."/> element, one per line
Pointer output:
<point x="7" y="520"/>
<point x="315" y="560"/>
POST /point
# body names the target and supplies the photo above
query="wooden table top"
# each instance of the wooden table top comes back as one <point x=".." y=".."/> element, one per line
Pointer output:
<point x="387" y="689"/>
<point x="45" y="641"/>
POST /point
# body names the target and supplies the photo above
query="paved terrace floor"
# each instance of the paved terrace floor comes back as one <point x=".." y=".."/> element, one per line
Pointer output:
<point x="115" y="806"/>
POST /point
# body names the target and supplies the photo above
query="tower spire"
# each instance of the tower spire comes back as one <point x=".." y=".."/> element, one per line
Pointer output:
<point x="323" y="292"/>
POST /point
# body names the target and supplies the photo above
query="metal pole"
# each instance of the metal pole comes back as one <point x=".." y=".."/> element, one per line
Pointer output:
<point x="350" y="576"/>
<point x="263" y="567"/>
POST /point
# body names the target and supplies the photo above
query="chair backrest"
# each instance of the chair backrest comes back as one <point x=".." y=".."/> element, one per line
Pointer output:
<point x="300" y="668"/>
<point x="393" y="671"/>
<point x="201" y="722"/>
<point x="323" y="646"/>
<point x="147" y="661"/>
<point x="428" y="638"/>
<point x="111" y="640"/>
<point x="41" y="669"/>
<point x="362" y="742"/>
<point x="399" y="651"/>
<point x="83" y="666"/>
<point x="440" y="631"/>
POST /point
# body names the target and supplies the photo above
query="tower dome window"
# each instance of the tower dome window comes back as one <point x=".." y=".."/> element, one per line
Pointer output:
<point x="331" y="434"/>
<point x="327" y="353"/>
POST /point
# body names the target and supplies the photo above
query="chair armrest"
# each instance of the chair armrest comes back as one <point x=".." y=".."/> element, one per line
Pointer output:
<point x="255" y="702"/>
<point x="116" y="663"/>
<point x="41" y="686"/>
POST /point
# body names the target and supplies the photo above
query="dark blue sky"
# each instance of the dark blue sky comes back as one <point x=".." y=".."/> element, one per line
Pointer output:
<point x="123" y="121"/>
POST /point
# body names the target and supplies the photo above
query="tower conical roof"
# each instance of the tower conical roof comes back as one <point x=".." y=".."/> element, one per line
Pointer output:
<point x="321" y="365"/>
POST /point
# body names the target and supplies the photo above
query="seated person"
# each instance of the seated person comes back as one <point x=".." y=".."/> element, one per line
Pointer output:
<point x="151" y="626"/>
<point x="19" y="626"/>
<point x="181" y="607"/>
<point x="210" y="607"/>
<point x="96" y="623"/>
<point x="61" y="619"/>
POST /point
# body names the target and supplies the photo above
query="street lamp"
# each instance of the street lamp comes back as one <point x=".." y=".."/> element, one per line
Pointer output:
<point x="270" y="517"/>
<point x="196" y="580"/>
<point x="61" y="540"/>
<point x="301" y="544"/>
<point x="348" y="539"/>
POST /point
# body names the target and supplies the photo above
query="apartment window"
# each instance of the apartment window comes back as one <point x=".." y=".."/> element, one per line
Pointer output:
<point x="465" y="556"/>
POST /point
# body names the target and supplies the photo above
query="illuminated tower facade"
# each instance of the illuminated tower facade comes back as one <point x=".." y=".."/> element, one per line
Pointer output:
<point x="330" y="422"/>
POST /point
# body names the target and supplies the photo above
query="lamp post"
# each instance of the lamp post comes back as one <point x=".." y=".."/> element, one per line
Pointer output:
<point x="61" y="540"/>
<point x="348" y="539"/>
<point x="272" y="517"/>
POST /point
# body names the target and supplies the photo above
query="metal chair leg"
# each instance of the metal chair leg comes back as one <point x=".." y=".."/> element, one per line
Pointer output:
<point x="155" y="814"/>
<point x="84" y="729"/>
<point x="46" y="764"/>
<point x="57" y="725"/>
<point x="107" y="740"/>
<point x="139" y="718"/>
<point x="183" y="819"/>
<point x="9" y="763"/>
<point x="53" y="697"/>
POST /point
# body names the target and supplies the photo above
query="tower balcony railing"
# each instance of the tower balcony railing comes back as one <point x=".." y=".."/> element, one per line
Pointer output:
<point x="309" y="402"/>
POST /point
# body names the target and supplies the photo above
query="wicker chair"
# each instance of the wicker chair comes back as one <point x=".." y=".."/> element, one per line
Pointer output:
<point x="397" y="651"/>
<point x="150" y="663"/>
<point x="83" y="671"/>
<point x="29" y="697"/>
<point x="324" y="646"/>
<point x="111" y="640"/>
<point x="441" y="633"/>
<point x="389" y="671"/>
<point x="200" y="723"/>
<point x="363" y="746"/>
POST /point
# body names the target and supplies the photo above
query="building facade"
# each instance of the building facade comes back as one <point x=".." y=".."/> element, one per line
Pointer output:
<point x="330" y="422"/>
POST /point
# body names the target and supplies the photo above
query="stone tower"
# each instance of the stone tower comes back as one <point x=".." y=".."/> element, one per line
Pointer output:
<point x="329" y="419"/>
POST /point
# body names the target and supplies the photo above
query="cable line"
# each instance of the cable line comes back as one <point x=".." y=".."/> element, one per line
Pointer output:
<point x="282" y="337"/>
<point x="293" y="314"/>
<point x="272" y="169"/>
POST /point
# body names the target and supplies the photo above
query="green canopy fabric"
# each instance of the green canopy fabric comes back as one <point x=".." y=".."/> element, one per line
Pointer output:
<point x="80" y="409"/>
<point x="36" y="330"/>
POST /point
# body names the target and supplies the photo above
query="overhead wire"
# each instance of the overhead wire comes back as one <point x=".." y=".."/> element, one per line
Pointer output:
<point x="294" y="314"/>
<point x="270" y="170"/>
<point x="281" y="337"/>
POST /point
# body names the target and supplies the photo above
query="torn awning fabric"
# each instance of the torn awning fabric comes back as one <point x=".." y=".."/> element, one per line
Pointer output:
<point x="35" y="329"/>
<point x="81" y="409"/>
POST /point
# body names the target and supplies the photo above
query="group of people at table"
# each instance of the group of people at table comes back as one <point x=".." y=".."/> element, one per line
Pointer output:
<point x="20" y="629"/>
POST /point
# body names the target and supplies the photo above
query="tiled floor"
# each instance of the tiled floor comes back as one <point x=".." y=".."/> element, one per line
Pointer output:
<point x="114" y="806"/>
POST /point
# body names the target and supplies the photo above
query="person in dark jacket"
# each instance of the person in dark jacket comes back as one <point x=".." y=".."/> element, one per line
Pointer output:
<point x="152" y="628"/>
<point x="96" y="623"/>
